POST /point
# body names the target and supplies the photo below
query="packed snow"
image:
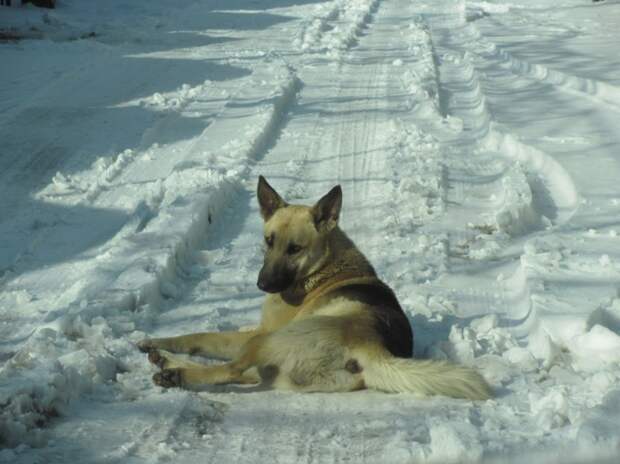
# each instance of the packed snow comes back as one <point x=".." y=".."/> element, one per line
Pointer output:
<point x="478" y="147"/>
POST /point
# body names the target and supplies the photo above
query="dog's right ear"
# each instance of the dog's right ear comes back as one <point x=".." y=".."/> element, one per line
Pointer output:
<point x="268" y="199"/>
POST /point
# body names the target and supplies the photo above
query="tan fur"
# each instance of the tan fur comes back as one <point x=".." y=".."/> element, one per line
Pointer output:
<point x="328" y="323"/>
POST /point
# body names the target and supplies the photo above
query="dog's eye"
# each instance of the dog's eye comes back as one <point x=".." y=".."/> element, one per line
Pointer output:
<point x="293" y="249"/>
<point x="269" y="240"/>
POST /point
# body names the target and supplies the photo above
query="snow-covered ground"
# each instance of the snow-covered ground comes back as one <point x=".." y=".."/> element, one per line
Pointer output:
<point x="478" y="147"/>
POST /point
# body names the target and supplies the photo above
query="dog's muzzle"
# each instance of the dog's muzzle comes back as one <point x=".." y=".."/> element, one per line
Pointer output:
<point x="274" y="282"/>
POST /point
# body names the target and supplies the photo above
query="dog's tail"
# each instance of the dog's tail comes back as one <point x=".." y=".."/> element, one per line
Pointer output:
<point x="424" y="378"/>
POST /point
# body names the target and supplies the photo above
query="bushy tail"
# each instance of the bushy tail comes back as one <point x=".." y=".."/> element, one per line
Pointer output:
<point x="425" y="378"/>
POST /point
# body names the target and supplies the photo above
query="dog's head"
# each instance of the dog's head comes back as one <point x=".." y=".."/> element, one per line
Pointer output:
<point x="296" y="236"/>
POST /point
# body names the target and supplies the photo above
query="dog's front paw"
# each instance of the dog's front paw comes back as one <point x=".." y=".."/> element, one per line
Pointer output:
<point x="168" y="378"/>
<point x="147" y="345"/>
<point x="156" y="358"/>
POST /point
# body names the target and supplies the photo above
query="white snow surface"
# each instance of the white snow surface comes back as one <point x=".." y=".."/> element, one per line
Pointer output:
<point x="478" y="147"/>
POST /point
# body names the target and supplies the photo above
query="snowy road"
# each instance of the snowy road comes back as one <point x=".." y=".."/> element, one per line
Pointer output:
<point x="477" y="144"/>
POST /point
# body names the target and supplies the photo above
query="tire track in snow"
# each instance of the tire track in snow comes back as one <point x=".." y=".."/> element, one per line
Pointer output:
<point x="313" y="29"/>
<point x="513" y="187"/>
<point x="546" y="291"/>
<point x="336" y="26"/>
<point x="148" y="279"/>
<point x="497" y="183"/>
<point x="598" y="91"/>
<point x="289" y="164"/>
<point x="206" y="189"/>
<point x="350" y="125"/>
<point x="145" y="274"/>
<point x="501" y="190"/>
<point x="185" y="268"/>
<point x="554" y="332"/>
<point x="353" y="15"/>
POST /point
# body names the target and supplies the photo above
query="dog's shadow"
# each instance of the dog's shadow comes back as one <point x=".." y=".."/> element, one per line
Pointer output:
<point x="232" y="388"/>
<point x="429" y="333"/>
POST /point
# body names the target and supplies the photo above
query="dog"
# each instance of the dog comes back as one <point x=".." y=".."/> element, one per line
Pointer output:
<point x="328" y="323"/>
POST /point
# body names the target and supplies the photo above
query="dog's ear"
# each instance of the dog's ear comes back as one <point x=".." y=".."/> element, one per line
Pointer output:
<point x="327" y="210"/>
<point x="268" y="199"/>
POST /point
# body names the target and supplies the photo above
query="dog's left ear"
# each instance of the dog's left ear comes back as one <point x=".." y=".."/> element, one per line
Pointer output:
<point x="327" y="210"/>
<point x="268" y="199"/>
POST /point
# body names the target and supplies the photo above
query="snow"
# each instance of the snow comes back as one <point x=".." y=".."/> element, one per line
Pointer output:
<point x="477" y="145"/>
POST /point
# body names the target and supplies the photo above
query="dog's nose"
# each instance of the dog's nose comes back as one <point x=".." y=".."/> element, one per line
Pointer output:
<point x="260" y="284"/>
<point x="274" y="282"/>
<point x="270" y="286"/>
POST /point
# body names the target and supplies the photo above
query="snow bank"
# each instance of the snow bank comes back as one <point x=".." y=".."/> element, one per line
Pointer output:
<point x="53" y="368"/>
<point x="421" y="77"/>
<point x="317" y="24"/>
<point x="354" y="16"/>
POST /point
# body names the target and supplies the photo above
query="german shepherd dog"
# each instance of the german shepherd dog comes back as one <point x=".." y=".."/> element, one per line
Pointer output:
<point x="328" y="323"/>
